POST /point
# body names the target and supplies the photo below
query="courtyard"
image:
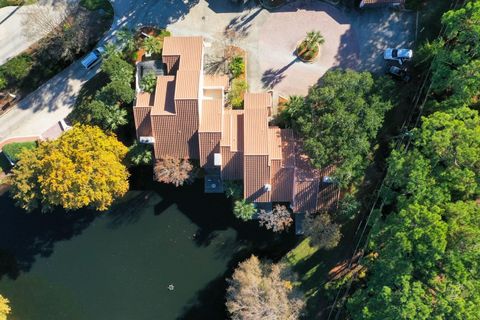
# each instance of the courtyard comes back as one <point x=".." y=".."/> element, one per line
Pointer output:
<point x="353" y="39"/>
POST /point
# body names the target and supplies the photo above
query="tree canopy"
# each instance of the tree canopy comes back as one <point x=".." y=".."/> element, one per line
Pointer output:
<point x="263" y="291"/>
<point x="339" y="119"/>
<point x="4" y="308"/>
<point x="427" y="264"/>
<point x="82" y="168"/>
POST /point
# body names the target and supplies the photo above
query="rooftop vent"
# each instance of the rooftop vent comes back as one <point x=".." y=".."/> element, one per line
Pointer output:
<point x="150" y="140"/>
<point x="217" y="159"/>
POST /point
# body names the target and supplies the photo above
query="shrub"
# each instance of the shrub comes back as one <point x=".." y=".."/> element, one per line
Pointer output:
<point x="233" y="189"/>
<point x="3" y="81"/>
<point x="13" y="150"/>
<point x="277" y="220"/>
<point x="174" y="171"/>
<point x="139" y="154"/>
<point x="149" y="82"/>
<point x="237" y="92"/>
<point x="236" y="66"/>
<point x="18" y="67"/>
<point x="322" y="231"/>
<point x="244" y="210"/>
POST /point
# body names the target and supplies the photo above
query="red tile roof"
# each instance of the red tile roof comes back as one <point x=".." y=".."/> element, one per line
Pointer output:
<point x="187" y="84"/>
<point x="215" y="81"/>
<point x="211" y="116"/>
<point x="190" y="50"/>
<point x="164" y="93"/>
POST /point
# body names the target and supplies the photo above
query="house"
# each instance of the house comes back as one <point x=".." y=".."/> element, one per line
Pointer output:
<point x="185" y="117"/>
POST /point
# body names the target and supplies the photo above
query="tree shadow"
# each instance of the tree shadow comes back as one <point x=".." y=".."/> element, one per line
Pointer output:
<point x="272" y="77"/>
<point x="239" y="26"/>
<point x="26" y="236"/>
<point x="128" y="210"/>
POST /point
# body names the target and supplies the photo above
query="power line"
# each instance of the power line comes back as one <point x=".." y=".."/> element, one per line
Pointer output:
<point x="406" y="124"/>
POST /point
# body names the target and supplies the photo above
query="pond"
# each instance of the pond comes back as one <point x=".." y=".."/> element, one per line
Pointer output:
<point x="119" y="264"/>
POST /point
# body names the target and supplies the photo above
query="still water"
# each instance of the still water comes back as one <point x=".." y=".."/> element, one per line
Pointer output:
<point x="119" y="264"/>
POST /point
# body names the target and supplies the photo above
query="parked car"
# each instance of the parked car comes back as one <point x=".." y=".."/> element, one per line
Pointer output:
<point x="399" y="55"/>
<point x="93" y="58"/>
<point x="399" y="73"/>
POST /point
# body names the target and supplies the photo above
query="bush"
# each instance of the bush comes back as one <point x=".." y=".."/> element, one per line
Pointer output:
<point x="13" y="150"/>
<point x="17" y="67"/>
<point x="139" y="154"/>
<point x="3" y="81"/>
<point x="237" y="92"/>
<point x="174" y="171"/>
<point x="233" y="189"/>
<point x="277" y="220"/>
<point x="322" y="231"/>
<point x="236" y="66"/>
<point x="244" y="210"/>
<point x="149" y="82"/>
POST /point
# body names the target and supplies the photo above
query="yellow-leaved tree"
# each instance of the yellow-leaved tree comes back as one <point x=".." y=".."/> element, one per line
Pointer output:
<point x="82" y="168"/>
<point x="4" y="308"/>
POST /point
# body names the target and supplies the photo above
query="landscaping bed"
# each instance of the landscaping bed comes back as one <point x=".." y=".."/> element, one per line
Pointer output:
<point x="76" y="35"/>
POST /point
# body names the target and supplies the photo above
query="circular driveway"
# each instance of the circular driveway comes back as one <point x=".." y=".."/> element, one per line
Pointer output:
<point x="279" y="35"/>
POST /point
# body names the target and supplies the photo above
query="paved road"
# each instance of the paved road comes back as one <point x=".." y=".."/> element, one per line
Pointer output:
<point x="18" y="32"/>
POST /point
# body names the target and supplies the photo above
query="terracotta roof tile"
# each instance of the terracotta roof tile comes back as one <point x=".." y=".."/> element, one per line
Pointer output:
<point x="274" y="143"/>
<point x="144" y="99"/>
<point x="190" y="50"/>
<point x="215" y="81"/>
<point x="187" y="84"/>
<point x="237" y="142"/>
<point x="288" y="148"/>
<point x="164" y="94"/>
<point x="226" y="128"/>
<point x="211" y="116"/>
<point x="256" y="123"/>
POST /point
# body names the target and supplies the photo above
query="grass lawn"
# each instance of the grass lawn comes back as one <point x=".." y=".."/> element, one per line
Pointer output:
<point x="13" y="150"/>
<point x="6" y="3"/>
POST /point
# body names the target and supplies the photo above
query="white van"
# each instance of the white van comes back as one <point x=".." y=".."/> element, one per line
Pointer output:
<point x="93" y="58"/>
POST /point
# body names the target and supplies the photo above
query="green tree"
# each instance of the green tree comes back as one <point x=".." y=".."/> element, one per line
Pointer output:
<point x="313" y="39"/>
<point x="322" y="231"/>
<point x="116" y="91"/>
<point x="126" y="38"/>
<point x="244" y="210"/>
<point x="82" y="168"/>
<point x="339" y="119"/>
<point x="140" y="154"/>
<point x="118" y="69"/>
<point x="262" y="290"/>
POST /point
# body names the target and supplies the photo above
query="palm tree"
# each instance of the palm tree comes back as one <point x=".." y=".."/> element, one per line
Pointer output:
<point x="152" y="45"/>
<point x="313" y="39"/>
<point x="126" y="38"/>
<point x="115" y="118"/>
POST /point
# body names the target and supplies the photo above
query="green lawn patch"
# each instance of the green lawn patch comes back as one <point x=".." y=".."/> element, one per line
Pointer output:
<point x="94" y="5"/>
<point x="6" y="3"/>
<point x="13" y="150"/>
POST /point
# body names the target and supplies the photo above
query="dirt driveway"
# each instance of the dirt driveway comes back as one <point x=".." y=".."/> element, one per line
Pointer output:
<point x="353" y="39"/>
